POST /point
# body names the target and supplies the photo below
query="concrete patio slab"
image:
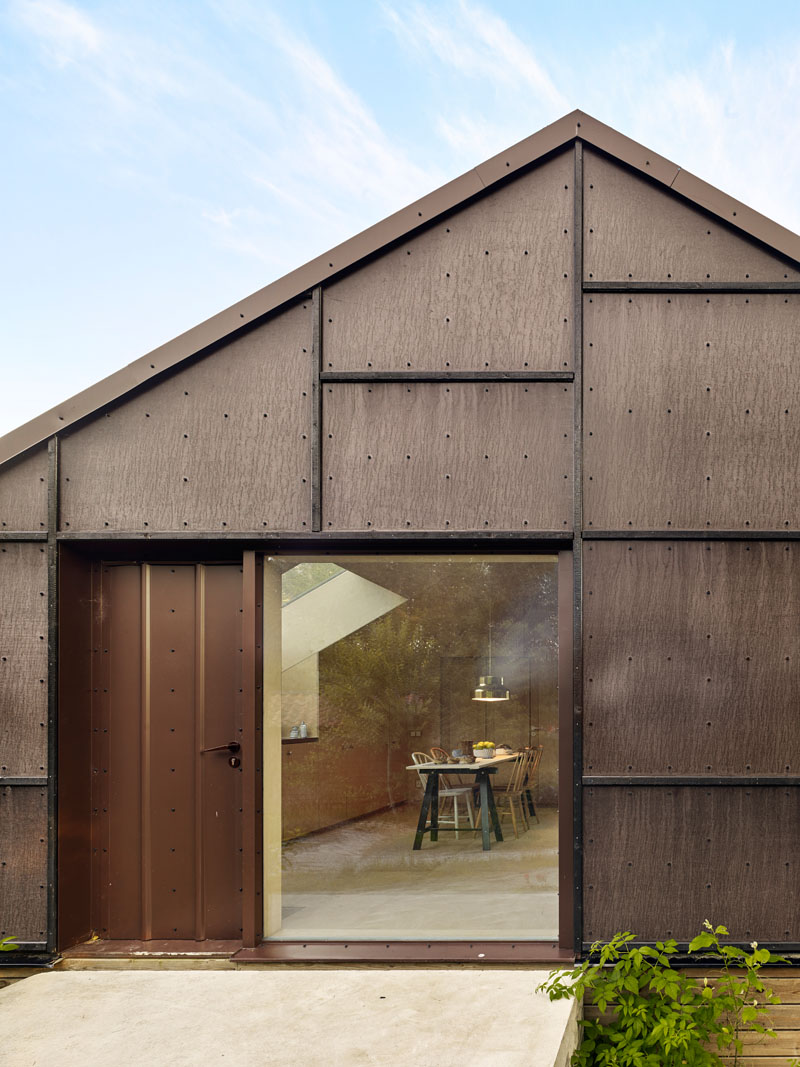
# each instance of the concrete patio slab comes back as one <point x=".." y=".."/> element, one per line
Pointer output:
<point x="309" y="1016"/>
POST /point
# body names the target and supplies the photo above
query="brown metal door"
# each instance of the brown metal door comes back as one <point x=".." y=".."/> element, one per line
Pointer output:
<point x="167" y="800"/>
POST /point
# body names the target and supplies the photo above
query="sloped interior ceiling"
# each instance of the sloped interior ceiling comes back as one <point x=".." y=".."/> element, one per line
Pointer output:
<point x="489" y="287"/>
<point x="221" y="445"/>
<point x="331" y="611"/>
<point x="635" y="230"/>
<point x="23" y="493"/>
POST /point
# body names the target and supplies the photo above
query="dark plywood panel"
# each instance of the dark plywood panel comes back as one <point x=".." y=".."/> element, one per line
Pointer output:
<point x="78" y="601"/>
<point x="635" y="230"/>
<point x="23" y="660"/>
<point x="658" y="861"/>
<point x="23" y="863"/>
<point x="432" y="456"/>
<point x="691" y="655"/>
<point x="23" y="492"/>
<point x="489" y="287"/>
<point x="691" y="412"/>
<point x="221" y="445"/>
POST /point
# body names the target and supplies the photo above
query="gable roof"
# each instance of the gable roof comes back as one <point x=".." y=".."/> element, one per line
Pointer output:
<point x="575" y="126"/>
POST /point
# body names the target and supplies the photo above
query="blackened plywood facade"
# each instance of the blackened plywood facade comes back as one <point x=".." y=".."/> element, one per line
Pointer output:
<point x="692" y="658"/>
<point x="23" y="493"/>
<point x="490" y="287"/>
<point x="437" y="456"/>
<point x="23" y="661"/>
<point x="634" y="231"/>
<point x="696" y="398"/>
<point x="221" y="445"/>
<point x="663" y="859"/>
<point x="23" y="863"/>
<point x="682" y="418"/>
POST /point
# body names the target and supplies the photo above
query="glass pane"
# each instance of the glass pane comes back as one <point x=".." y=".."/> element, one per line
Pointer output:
<point x="388" y="666"/>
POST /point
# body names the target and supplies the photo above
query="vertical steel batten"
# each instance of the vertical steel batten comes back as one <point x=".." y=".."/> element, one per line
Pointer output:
<point x="52" y="692"/>
<point x="577" y="544"/>
<point x="252" y="746"/>
<point x="316" y="410"/>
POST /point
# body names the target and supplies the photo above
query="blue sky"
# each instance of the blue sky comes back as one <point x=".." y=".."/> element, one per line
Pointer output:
<point x="164" y="159"/>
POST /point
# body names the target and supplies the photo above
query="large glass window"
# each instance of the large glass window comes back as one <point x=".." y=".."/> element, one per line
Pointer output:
<point x="388" y="666"/>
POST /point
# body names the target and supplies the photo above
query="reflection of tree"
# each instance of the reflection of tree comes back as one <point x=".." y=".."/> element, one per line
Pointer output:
<point x="376" y="683"/>
<point x="384" y="680"/>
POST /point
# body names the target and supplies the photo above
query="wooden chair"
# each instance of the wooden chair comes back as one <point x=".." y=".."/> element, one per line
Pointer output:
<point x="441" y="755"/>
<point x="529" y="777"/>
<point x="510" y="800"/>
<point x="447" y="791"/>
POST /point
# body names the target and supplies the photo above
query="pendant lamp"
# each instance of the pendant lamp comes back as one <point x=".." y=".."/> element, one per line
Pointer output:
<point x="490" y="686"/>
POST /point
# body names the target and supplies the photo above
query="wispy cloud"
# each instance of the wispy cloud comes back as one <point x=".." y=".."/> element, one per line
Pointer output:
<point x="731" y="117"/>
<point x="475" y="41"/>
<point x="67" y="32"/>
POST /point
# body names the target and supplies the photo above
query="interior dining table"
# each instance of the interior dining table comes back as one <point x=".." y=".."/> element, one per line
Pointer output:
<point x="482" y="769"/>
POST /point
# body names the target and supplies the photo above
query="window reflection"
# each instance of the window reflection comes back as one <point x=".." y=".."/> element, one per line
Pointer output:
<point x="380" y="659"/>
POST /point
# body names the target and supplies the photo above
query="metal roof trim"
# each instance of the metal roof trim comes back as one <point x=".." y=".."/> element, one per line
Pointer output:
<point x="577" y="125"/>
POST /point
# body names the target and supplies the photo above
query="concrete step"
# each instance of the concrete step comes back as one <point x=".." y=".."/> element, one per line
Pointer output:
<point x="313" y="1016"/>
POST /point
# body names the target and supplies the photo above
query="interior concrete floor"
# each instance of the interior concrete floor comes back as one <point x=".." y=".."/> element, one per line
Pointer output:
<point x="361" y="880"/>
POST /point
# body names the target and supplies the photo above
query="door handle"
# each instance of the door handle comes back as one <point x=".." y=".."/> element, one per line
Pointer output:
<point x="232" y="746"/>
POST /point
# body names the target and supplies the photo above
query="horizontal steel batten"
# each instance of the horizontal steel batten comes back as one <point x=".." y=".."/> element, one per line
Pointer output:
<point x="692" y="779"/>
<point x="375" y="377"/>
<point x="23" y="535"/>
<point x="691" y="287"/>
<point x="691" y="535"/>
<point x="323" y="537"/>
<point x="9" y="780"/>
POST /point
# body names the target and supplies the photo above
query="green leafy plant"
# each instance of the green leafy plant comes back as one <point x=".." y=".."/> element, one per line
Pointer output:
<point x="652" y="1015"/>
<point x="7" y="944"/>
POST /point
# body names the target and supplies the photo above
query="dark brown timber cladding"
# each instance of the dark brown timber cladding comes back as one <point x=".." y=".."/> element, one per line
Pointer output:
<point x="222" y="445"/>
<point x="430" y="456"/>
<point x="658" y="861"/>
<point x="487" y="288"/>
<point x="23" y="660"/>
<point x="23" y="493"/>
<point x="691" y="658"/>
<point x="23" y="862"/>
<point x="635" y="230"/>
<point x="691" y="412"/>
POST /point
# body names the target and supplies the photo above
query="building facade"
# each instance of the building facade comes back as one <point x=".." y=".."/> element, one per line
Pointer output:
<point x="576" y="362"/>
